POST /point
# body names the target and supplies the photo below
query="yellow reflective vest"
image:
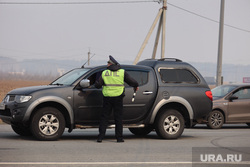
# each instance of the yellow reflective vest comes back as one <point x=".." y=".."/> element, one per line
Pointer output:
<point x="113" y="83"/>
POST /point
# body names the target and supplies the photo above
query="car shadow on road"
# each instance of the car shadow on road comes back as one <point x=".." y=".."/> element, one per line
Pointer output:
<point x="14" y="136"/>
<point x="111" y="136"/>
<point x="91" y="135"/>
<point x="225" y="126"/>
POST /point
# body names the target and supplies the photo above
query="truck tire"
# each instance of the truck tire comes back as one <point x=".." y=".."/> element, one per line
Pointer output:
<point x="169" y="124"/>
<point x="21" y="130"/>
<point x="215" y="120"/>
<point x="141" y="131"/>
<point x="48" y="124"/>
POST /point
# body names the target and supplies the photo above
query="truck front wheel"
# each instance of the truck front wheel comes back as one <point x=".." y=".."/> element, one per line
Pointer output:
<point x="48" y="123"/>
<point x="169" y="124"/>
<point x="21" y="130"/>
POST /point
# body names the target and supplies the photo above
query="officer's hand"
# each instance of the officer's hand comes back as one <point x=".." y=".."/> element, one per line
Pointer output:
<point x="136" y="89"/>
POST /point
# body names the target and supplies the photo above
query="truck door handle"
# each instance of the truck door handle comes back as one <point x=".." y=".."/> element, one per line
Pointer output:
<point x="147" y="93"/>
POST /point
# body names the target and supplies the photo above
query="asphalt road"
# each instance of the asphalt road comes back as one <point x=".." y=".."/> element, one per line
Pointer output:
<point x="80" y="148"/>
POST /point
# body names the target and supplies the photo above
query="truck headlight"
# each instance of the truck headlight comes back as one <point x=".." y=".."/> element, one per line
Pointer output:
<point x="22" y="99"/>
<point x="6" y="99"/>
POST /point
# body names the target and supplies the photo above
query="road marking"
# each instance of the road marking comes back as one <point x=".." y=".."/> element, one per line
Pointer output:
<point x="120" y="163"/>
<point x="88" y="163"/>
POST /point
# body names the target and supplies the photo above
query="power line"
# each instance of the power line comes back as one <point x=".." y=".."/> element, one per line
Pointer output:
<point x="74" y="3"/>
<point x="237" y="28"/>
<point x="193" y="13"/>
<point x="207" y="18"/>
<point x="116" y="2"/>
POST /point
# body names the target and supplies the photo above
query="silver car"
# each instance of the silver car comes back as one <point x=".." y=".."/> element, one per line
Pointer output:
<point x="231" y="104"/>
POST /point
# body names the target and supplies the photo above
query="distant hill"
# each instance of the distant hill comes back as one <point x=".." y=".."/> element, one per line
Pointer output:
<point x="54" y="68"/>
<point x="232" y="73"/>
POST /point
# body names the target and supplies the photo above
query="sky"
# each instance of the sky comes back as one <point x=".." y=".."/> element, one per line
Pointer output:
<point x="118" y="27"/>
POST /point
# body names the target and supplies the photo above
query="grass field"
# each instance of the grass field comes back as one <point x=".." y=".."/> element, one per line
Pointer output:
<point x="8" y="85"/>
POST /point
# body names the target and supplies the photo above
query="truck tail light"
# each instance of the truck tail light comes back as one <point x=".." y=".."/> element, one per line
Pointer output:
<point x="209" y="95"/>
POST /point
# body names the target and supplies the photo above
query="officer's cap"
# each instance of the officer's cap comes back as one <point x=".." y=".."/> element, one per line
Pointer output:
<point x="112" y="60"/>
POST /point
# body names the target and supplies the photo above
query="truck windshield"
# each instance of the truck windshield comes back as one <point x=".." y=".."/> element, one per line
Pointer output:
<point x="70" y="77"/>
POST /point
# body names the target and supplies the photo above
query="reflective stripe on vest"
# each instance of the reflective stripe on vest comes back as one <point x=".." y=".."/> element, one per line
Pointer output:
<point x="113" y="83"/>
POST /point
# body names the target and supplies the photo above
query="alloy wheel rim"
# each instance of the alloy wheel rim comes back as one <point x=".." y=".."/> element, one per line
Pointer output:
<point x="48" y="124"/>
<point x="216" y="119"/>
<point x="171" y="124"/>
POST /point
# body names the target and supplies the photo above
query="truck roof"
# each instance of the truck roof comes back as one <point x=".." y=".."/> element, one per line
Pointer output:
<point x="164" y="61"/>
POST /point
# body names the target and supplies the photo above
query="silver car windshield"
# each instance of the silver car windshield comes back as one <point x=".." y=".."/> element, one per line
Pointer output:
<point x="222" y="90"/>
<point x="70" y="77"/>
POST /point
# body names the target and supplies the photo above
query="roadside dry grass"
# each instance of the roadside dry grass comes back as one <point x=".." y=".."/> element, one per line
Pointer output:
<point x="8" y="85"/>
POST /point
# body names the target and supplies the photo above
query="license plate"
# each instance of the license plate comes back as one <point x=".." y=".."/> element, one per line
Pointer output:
<point x="2" y="106"/>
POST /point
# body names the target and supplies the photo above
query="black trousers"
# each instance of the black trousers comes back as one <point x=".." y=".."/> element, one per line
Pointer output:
<point x="110" y="104"/>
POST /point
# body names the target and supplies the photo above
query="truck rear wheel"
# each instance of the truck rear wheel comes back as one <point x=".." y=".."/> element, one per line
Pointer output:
<point x="48" y="123"/>
<point x="169" y="124"/>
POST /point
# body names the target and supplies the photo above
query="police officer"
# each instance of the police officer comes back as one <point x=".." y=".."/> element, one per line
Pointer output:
<point x="112" y="82"/>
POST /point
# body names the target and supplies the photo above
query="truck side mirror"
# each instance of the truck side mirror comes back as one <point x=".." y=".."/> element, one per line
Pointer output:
<point x="84" y="83"/>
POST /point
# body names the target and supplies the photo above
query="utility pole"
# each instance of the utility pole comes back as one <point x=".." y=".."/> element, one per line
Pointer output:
<point x="220" y="47"/>
<point x="162" y="26"/>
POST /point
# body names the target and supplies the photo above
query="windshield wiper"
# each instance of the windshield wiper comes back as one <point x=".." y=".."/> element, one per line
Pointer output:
<point x="58" y="84"/>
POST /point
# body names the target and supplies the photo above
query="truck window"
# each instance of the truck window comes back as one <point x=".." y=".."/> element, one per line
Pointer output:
<point x="140" y="76"/>
<point x="70" y="77"/>
<point x="177" y="76"/>
<point x="94" y="77"/>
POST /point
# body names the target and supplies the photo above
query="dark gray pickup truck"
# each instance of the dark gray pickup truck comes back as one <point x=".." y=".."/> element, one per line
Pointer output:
<point x="172" y="95"/>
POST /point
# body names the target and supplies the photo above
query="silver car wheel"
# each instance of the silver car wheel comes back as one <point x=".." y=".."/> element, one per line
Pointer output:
<point x="216" y="119"/>
<point x="49" y="124"/>
<point x="172" y="124"/>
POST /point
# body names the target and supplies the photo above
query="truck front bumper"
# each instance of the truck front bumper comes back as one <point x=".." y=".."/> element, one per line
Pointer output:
<point x="11" y="112"/>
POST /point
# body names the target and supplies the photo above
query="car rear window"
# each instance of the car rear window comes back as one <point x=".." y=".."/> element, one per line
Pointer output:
<point x="177" y="76"/>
